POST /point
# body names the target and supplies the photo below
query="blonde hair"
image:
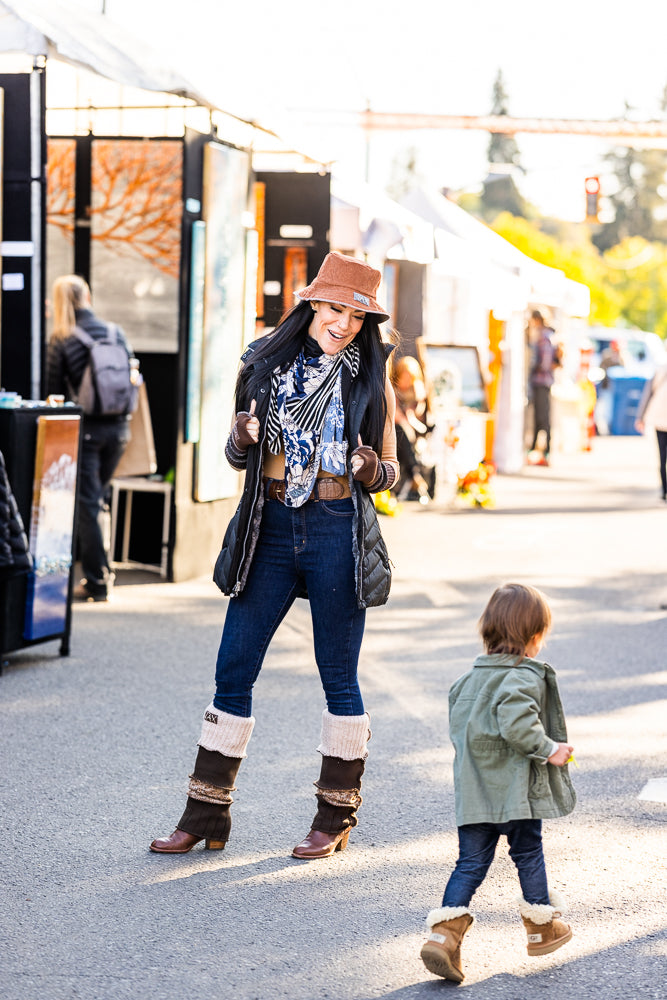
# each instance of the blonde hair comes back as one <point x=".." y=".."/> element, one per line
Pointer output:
<point x="515" y="613"/>
<point x="406" y="363"/>
<point x="70" y="292"/>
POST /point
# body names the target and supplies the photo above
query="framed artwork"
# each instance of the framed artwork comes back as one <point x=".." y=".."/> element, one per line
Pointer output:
<point x="455" y="374"/>
<point x="60" y="187"/>
<point x="136" y="212"/>
<point x="52" y="524"/>
<point x="196" y="330"/>
<point x="295" y="274"/>
<point x="135" y="238"/>
<point x="225" y="204"/>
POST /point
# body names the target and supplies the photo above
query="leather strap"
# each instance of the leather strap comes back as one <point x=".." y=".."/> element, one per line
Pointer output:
<point x="324" y="489"/>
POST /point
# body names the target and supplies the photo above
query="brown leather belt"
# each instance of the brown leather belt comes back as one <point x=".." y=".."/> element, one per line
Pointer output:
<point x="324" y="489"/>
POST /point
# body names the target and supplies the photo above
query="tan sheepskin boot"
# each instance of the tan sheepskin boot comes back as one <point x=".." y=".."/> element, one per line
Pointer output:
<point x="545" y="931"/>
<point x="441" y="954"/>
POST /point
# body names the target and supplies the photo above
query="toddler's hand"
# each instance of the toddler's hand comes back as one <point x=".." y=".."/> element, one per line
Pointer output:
<point x="561" y="755"/>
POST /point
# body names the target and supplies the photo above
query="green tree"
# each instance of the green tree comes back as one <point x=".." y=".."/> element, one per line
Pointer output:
<point x="628" y="284"/>
<point x="639" y="201"/>
<point x="577" y="258"/>
<point x="637" y="271"/>
<point x="500" y="193"/>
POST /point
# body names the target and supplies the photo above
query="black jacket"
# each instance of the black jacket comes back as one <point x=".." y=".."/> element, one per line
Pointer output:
<point x="15" y="557"/>
<point x="66" y="358"/>
<point x="371" y="560"/>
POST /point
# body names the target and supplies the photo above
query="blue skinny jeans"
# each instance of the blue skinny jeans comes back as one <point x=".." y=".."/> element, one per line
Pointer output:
<point x="305" y="547"/>
<point x="477" y="846"/>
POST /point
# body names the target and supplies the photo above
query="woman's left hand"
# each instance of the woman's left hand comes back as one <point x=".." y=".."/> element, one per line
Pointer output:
<point x="365" y="464"/>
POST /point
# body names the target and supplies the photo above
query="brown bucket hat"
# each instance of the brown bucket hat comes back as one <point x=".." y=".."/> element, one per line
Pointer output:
<point x="348" y="282"/>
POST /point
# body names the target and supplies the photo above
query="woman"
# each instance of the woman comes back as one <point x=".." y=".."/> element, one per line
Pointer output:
<point x="652" y="412"/>
<point x="314" y="431"/>
<point x="413" y="426"/>
<point x="104" y="438"/>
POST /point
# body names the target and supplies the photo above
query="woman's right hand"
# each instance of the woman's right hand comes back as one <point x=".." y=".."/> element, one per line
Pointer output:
<point x="246" y="428"/>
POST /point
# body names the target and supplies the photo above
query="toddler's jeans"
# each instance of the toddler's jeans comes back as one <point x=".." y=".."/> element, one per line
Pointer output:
<point x="477" y="846"/>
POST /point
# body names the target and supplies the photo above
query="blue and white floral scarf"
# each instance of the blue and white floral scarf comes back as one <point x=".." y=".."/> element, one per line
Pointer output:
<point x="307" y="411"/>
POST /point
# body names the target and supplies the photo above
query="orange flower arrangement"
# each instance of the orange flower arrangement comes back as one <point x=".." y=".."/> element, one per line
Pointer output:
<point x="475" y="487"/>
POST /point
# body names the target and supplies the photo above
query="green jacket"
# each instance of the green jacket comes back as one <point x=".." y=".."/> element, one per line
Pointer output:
<point x="503" y="720"/>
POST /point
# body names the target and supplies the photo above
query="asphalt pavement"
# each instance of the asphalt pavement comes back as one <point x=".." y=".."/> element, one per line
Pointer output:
<point x="96" y="749"/>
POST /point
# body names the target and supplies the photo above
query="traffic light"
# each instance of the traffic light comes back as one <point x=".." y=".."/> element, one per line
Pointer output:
<point x="592" y="198"/>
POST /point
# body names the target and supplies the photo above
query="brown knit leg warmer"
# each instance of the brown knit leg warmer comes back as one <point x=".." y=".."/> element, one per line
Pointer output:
<point x="338" y="794"/>
<point x="209" y="796"/>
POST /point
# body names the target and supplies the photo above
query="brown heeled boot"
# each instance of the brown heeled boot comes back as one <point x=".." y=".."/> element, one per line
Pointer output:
<point x="207" y="816"/>
<point x="338" y="787"/>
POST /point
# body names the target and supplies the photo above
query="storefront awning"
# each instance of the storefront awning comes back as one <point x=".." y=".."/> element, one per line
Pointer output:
<point x="89" y="40"/>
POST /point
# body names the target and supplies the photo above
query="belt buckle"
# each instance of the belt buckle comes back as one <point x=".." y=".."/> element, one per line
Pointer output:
<point x="274" y="489"/>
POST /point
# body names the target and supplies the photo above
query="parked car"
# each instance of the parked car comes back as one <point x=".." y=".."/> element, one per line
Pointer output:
<point x="643" y="351"/>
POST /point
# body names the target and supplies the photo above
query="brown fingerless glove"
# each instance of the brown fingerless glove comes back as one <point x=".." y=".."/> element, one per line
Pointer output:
<point x="368" y="472"/>
<point x="240" y="436"/>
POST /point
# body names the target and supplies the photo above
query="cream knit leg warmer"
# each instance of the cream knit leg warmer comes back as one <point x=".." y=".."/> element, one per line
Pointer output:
<point x="224" y="733"/>
<point x="345" y="736"/>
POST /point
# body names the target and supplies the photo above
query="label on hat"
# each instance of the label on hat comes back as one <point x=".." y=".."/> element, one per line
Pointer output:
<point x="358" y="297"/>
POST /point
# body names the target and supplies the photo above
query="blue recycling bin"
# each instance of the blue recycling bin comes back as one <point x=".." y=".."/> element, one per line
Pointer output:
<point x="627" y="391"/>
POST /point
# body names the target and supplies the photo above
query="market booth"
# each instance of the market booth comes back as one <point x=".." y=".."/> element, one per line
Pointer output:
<point x="116" y="169"/>
<point x="478" y="293"/>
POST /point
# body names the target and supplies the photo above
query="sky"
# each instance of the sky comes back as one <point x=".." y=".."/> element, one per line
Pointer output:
<point x="304" y="68"/>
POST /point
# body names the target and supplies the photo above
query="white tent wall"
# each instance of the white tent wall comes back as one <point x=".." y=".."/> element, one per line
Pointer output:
<point x="508" y="451"/>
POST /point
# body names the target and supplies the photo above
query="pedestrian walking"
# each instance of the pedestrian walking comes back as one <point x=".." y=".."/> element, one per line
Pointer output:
<point x="104" y="435"/>
<point x="652" y="412"/>
<point x="544" y="360"/>
<point x="314" y="431"/>
<point x="507" y="725"/>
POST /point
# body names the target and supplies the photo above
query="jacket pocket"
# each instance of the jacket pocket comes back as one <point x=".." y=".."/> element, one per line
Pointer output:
<point x="539" y="781"/>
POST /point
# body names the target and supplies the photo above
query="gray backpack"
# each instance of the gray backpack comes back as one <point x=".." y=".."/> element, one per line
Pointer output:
<point x="106" y="389"/>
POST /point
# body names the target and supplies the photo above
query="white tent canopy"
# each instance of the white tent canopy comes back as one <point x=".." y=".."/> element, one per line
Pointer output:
<point x="88" y="40"/>
<point x="548" y="285"/>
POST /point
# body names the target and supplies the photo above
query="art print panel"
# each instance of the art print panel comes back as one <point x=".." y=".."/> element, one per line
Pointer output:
<point x="226" y="179"/>
<point x="52" y="524"/>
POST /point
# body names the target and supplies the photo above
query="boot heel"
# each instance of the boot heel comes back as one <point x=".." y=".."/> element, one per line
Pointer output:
<point x="215" y="845"/>
<point x="342" y="843"/>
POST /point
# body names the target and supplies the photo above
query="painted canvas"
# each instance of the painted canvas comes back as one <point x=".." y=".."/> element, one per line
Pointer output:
<point x="52" y="524"/>
<point x="135" y="224"/>
<point x="226" y="199"/>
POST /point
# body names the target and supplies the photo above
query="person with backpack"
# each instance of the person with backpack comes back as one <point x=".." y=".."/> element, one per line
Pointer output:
<point x="88" y="361"/>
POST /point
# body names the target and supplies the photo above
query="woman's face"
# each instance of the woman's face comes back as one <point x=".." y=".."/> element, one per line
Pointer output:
<point x="334" y="326"/>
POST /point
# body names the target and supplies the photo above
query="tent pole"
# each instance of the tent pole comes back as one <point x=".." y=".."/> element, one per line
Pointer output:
<point x="36" y="228"/>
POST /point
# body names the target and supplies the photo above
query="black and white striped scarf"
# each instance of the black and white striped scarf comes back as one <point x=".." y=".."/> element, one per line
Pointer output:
<point x="300" y="400"/>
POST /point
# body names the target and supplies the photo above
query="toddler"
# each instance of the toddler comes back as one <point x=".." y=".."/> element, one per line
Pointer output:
<point x="507" y="725"/>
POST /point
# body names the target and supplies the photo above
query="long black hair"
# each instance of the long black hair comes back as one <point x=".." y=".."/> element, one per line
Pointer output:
<point x="280" y="348"/>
